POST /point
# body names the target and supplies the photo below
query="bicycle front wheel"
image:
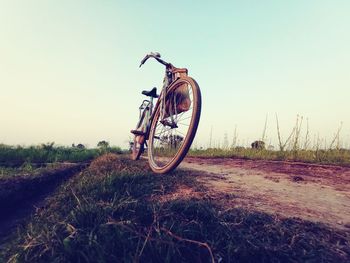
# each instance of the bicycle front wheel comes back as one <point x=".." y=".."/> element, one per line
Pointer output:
<point x="174" y="126"/>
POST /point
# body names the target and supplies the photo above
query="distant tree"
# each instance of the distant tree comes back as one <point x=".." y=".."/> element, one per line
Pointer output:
<point x="172" y="141"/>
<point x="103" y="144"/>
<point x="80" y="146"/>
<point x="47" y="146"/>
<point x="259" y="145"/>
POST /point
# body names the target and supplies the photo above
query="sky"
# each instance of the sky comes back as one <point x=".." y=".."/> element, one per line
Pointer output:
<point x="69" y="69"/>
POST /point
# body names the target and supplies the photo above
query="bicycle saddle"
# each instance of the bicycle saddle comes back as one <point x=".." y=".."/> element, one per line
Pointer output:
<point x="152" y="93"/>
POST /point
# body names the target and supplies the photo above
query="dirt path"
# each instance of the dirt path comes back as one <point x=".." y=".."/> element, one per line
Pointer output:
<point x="317" y="193"/>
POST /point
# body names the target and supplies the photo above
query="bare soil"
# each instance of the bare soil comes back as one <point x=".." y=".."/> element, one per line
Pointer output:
<point x="317" y="193"/>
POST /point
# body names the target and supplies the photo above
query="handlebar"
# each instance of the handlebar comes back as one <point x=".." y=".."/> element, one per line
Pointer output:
<point x="156" y="56"/>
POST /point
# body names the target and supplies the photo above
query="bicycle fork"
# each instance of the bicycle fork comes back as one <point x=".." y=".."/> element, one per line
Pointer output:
<point x="163" y="118"/>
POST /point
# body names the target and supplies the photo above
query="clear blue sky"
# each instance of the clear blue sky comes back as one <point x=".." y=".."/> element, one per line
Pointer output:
<point x="69" y="69"/>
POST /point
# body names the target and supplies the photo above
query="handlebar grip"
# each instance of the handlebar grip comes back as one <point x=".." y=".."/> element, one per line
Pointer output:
<point x="144" y="60"/>
<point x="156" y="56"/>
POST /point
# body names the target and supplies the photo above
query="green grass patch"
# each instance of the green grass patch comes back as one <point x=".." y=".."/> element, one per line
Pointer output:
<point x="112" y="213"/>
<point x="27" y="170"/>
<point x="333" y="156"/>
<point x="21" y="185"/>
<point x="14" y="156"/>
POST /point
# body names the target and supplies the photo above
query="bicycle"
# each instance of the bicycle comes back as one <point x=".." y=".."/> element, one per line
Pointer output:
<point x="167" y="128"/>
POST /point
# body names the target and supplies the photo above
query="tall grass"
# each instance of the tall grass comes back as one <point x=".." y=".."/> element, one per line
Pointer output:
<point x="296" y="146"/>
<point x="339" y="157"/>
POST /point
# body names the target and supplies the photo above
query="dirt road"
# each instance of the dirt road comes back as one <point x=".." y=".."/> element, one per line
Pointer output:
<point x="318" y="193"/>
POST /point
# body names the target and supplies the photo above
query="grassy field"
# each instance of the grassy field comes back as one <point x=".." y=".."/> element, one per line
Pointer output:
<point x="297" y="146"/>
<point x="115" y="211"/>
<point x="331" y="156"/>
<point x="15" y="156"/>
<point x="18" y="185"/>
<point x="26" y="170"/>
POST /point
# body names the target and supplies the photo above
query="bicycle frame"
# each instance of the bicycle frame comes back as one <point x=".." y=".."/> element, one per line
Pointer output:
<point x="171" y="75"/>
<point x="146" y="114"/>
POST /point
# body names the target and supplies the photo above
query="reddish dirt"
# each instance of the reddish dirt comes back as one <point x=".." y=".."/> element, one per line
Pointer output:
<point x="182" y="192"/>
<point x="318" y="193"/>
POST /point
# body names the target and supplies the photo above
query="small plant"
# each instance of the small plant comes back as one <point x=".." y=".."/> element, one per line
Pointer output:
<point x="282" y="145"/>
<point x="27" y="166"/>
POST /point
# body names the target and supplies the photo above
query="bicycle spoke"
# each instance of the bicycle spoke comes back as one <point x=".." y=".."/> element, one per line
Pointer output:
<point x="183" y="124"/>
<point x="181" y="132"/>
<point x="186" y="118"/>
<point x="162" y="131"/>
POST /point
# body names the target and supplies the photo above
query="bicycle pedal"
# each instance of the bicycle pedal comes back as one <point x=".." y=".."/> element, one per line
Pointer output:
<point x="136" y="132"/>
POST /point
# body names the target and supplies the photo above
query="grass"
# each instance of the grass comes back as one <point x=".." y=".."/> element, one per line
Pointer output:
<point x="48" y="153"/>
<point x="297" y="146"/>
<point x="112" y="213"/>
<point x="20" y="186"/>
<point x="7" y="172"/>
<point x="331" y="156"/>
<point x="26" y="170"/>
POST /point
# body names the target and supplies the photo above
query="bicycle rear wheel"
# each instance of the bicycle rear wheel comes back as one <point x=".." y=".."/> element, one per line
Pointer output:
<point x="170" y="138"/>
<point x="137" y="149"/>
<point x="138" y="143"/>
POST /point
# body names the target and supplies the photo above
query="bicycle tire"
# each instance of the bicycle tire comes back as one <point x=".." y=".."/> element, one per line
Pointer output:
<point x="188" y="139"/>
<point x="137" y="148"/>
